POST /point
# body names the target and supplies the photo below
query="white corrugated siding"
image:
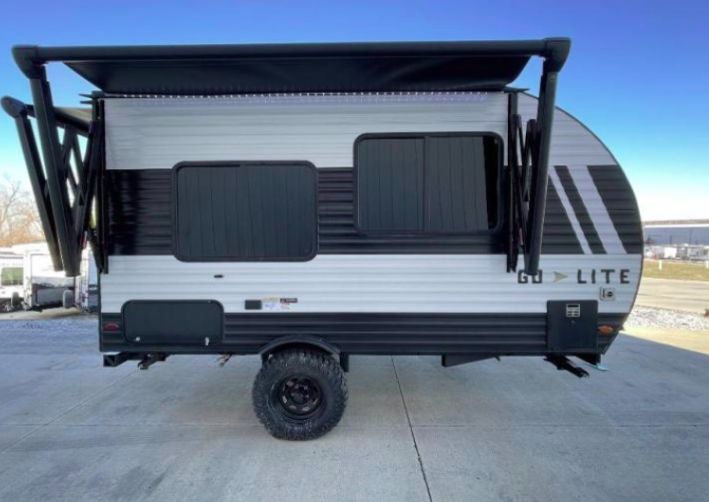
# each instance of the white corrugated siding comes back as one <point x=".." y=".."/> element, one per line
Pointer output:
<point x="159" y="133"/>
<point x="368" y="283"/>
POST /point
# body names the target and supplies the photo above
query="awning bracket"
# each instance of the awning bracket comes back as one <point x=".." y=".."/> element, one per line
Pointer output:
<point x="528" y="166"/>
<point x="63" y="180"/>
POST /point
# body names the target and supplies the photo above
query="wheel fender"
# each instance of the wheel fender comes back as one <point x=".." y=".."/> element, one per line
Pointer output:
<point x="298" y="341"/>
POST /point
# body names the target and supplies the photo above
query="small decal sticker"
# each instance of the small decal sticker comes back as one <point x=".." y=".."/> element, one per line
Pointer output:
<point x="271" y="303"/>
<point x="608" y="294"/>
<point x="277" y="303"/>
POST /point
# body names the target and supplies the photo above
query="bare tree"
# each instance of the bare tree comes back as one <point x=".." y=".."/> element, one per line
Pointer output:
<point x="19" y="222"/>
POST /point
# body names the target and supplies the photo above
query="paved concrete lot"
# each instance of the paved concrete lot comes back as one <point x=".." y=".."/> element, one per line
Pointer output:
<point x="31" y="315"/>
<point x="515" y="431"/>
<point x="687" y="296"/>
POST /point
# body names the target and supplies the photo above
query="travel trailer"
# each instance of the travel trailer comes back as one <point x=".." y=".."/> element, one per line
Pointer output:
<point x="693" y="252"/>
<point x="31" y="282"/>
<point x="312" y="202"/>
<point x="28" y="280"/>
<point x="11" y="277"/>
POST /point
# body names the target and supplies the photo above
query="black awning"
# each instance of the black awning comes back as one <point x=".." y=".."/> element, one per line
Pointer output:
<point x="288" y="68"/>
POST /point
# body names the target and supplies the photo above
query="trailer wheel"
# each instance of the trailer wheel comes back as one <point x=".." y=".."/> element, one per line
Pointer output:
<point x="299" y="394"/>
<point x="7" y="307"/>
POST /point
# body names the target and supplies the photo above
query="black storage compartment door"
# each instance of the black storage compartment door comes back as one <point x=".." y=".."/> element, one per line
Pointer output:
<point x="174" y="323"/>
<point x="572" y="325"/>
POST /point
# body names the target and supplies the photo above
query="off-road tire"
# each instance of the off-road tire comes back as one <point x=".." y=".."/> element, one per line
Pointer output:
<point x="306" y="365"/>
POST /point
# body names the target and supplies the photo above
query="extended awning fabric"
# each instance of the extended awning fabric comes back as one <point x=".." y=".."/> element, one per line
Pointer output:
<point x="289" y="68"/>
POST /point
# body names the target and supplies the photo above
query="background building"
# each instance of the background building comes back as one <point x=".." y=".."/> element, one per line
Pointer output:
<point x="694" y="232"/>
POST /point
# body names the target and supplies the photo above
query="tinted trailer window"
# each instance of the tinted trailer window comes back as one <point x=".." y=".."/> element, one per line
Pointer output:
<point x="427" y="184"/>
<point x="245" y="212"/>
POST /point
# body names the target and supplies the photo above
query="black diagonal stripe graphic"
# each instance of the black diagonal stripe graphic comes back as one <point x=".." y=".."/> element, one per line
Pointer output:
<point x="618" y="197"/>
<point x="594" y="241"/>
<point x="559" y="236"/>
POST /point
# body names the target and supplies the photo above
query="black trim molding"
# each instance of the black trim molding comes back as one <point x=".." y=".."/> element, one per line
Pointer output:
<point x="140" y="202"/>
<point x="377" y="333"/>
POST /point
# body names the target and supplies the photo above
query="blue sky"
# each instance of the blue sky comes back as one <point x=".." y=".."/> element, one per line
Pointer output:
<point x="638" y="74"/>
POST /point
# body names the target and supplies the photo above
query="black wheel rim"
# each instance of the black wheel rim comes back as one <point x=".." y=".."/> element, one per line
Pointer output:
<point x="6" y="307"/>
<point x="297" y="398"/>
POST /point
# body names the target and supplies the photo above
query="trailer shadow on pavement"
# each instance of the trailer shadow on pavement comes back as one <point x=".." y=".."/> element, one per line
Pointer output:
<point x="513" y="430"/>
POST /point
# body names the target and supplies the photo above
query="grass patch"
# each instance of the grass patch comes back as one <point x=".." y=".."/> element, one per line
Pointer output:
<point x="681" y="271"/>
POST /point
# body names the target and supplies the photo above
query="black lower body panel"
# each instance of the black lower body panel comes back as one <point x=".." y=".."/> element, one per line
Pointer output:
<point x="383" y="334"/>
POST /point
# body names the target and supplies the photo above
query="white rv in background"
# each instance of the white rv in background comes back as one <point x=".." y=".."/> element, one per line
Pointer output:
<point x="42" y="286"/>
<point x="28" y="280"/>
<point x="11" y="280"/>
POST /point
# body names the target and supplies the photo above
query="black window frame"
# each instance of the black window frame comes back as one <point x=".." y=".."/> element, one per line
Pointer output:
<point x="499" y="192"/>
<point x="236" y="164"/>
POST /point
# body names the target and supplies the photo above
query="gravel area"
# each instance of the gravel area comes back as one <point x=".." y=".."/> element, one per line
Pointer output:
<point x="645" y="317"/>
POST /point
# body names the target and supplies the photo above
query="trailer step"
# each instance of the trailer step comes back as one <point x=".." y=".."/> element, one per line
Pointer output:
<point x="563" y="363"/>
<point x="150" y="359"/>
<point x="145" y="360"/>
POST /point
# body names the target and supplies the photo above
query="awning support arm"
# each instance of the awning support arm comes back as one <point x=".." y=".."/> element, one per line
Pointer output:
<point x="19" y="112"/>
<point x="540" y="171"/>
<point x="55" y="170"/>
<point x="511" y="218"/>
<point x="64" y="196"/>
<point x="528" y="207"/>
